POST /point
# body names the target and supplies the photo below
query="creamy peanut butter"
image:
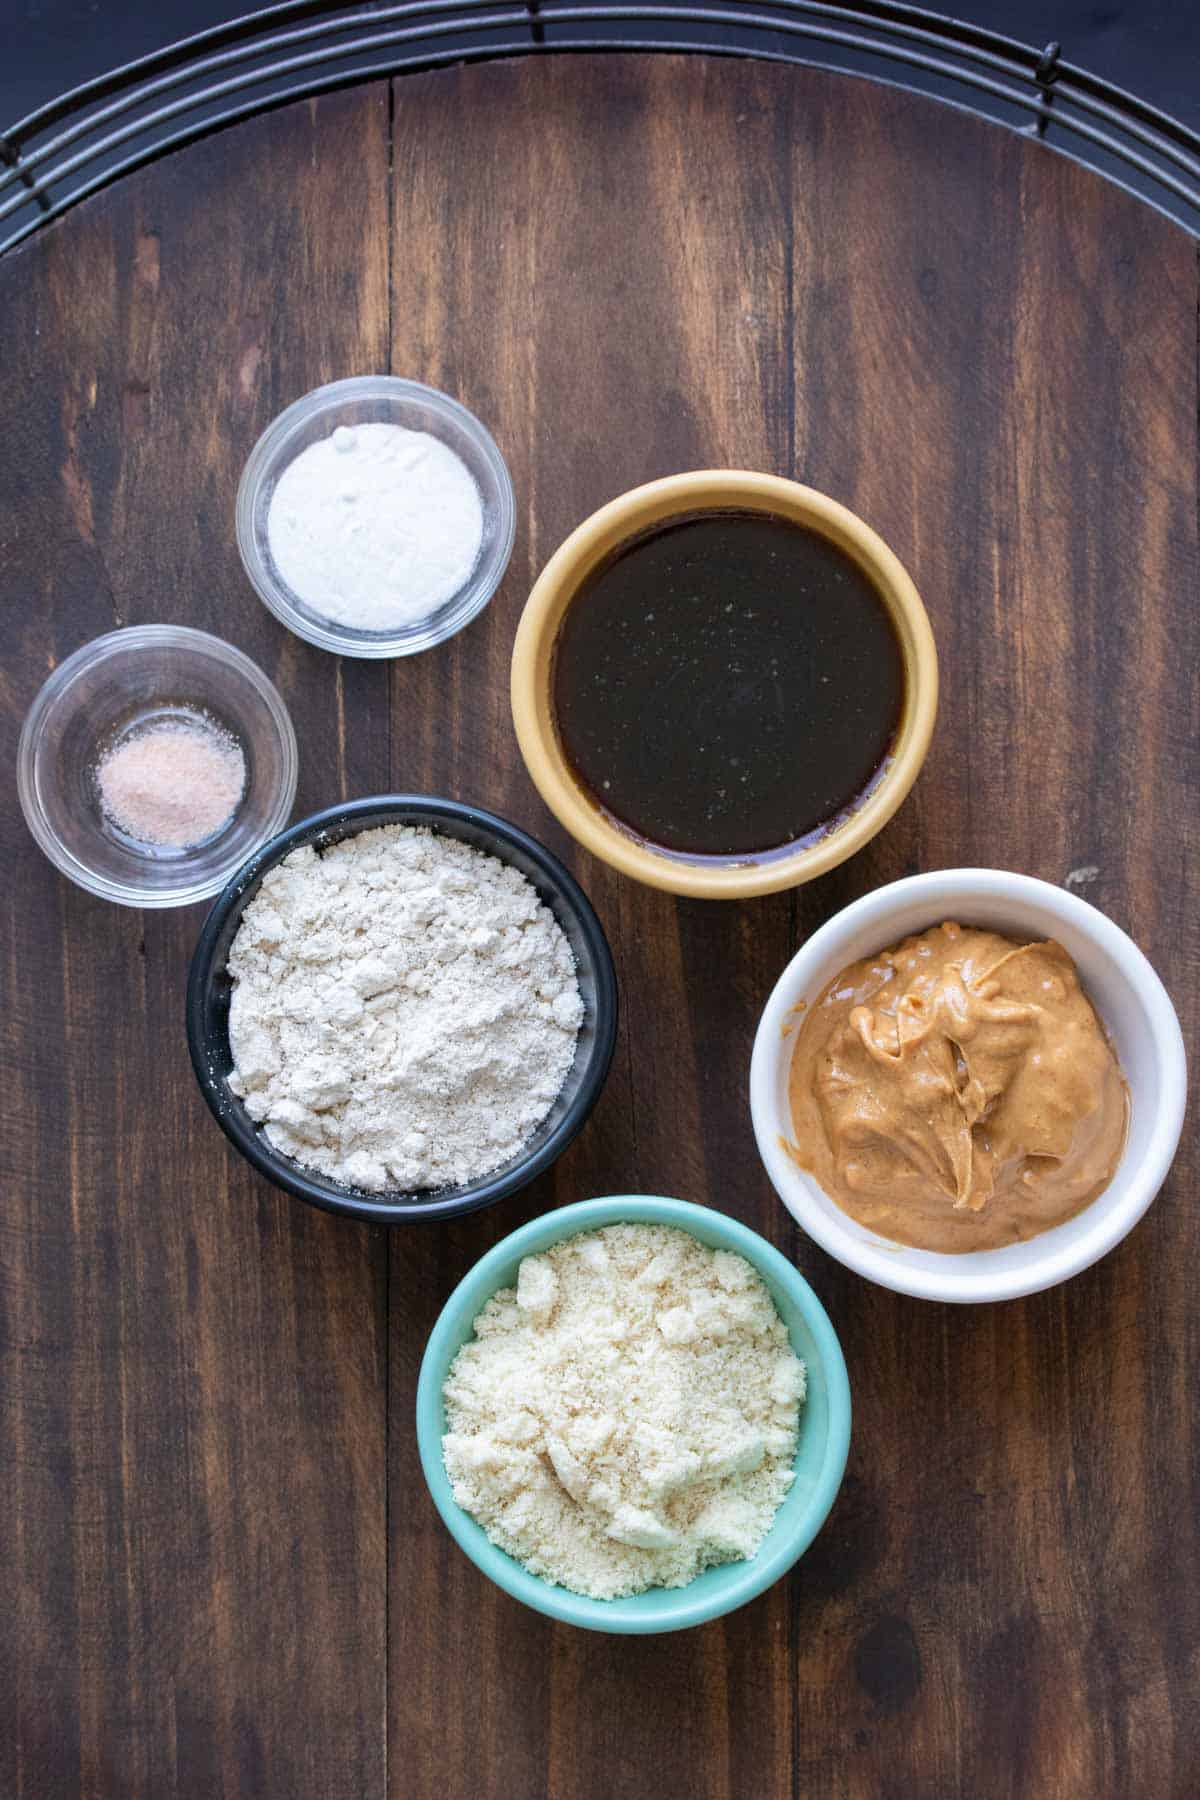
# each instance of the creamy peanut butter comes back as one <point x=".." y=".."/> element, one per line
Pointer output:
<point x="957" y="1092"/>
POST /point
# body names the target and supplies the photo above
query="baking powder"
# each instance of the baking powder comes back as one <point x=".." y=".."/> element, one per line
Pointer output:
<point x="375" y="527"/>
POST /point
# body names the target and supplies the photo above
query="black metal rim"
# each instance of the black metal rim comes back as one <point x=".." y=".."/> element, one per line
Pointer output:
<point x="208" y="1038"/>
<point x="79" y="142"/>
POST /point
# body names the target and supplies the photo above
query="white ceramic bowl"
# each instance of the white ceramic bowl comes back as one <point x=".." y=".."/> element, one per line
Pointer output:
<point x="1129" y="998"/>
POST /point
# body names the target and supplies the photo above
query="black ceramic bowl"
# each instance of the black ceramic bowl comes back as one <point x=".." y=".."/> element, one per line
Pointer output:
<point x="209" y="989"/>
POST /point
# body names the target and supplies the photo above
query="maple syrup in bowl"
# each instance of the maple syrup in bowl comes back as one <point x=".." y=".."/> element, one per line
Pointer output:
<point x="724" y="684"/>
<point x="728" y="685"/>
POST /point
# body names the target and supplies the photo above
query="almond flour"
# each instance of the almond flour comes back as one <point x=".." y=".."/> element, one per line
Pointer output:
<point x="404" y="1011"/>
<point x="628" y="1414"/>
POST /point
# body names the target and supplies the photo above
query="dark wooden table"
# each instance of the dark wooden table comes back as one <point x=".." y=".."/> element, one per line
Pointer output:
<point x="221" y="1573"/>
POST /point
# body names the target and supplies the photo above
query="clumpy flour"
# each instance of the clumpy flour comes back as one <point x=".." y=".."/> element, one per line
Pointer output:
<point x="404" y="1011"/>
<point x="627" y="1415"/>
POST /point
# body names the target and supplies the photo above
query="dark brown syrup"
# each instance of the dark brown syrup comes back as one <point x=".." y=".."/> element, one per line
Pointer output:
<point x="728" y="684"/>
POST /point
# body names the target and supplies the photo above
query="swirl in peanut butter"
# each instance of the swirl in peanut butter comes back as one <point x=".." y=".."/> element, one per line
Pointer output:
<point x="957" y="1092"/>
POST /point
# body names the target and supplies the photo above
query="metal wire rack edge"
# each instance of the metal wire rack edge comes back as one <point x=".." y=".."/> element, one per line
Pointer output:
<point x="306" y="47"/>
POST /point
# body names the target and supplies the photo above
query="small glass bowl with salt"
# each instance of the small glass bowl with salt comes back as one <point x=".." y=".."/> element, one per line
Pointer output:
<point x="153" y="762"/>
<point x="375" y="516"/>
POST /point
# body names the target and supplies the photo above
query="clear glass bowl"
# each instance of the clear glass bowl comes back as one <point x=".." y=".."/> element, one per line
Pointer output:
<point x="361" y="400"/>
<point x="104" y="691"/>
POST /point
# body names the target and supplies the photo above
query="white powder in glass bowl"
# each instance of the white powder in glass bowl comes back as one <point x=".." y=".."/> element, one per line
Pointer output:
<point x="628" y="1414"/>
<point x="375" y="526"/>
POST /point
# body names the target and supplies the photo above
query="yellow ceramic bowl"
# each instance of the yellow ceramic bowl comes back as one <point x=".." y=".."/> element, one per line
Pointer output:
<point x="714" y="490"/>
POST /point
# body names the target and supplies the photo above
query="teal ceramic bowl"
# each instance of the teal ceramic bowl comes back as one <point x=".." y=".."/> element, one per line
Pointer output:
<point x="820" y="1457"/>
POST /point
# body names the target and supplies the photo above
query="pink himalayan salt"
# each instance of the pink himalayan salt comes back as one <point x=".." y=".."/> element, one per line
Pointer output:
<point x="173" y="783"/>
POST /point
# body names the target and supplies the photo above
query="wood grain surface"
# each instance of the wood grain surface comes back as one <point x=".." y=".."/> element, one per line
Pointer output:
<point x="221" y="1573"/>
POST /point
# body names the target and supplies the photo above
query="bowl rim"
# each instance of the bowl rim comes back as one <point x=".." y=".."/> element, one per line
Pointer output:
<point x="313" y="1188"/>
<point x="654" y="503"/>
<point x="125" y="639"/>
<point x="744" y="1581"/>
<point x="456" y="613"/>
<point x="964" y="1278"/>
